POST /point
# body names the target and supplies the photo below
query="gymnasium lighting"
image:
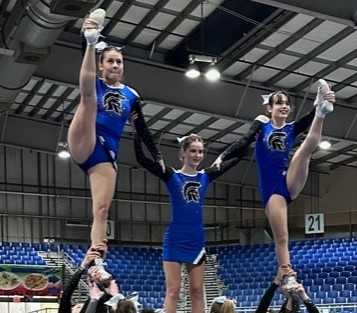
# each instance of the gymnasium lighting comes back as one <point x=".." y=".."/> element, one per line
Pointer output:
<point x="325" y="145"/>
<point x="192" y="71"/>
<point x="62" y="150"/>
<point x="213" y="74"/>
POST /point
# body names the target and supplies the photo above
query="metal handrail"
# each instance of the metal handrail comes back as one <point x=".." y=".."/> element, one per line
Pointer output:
<point x="45" y="310"/>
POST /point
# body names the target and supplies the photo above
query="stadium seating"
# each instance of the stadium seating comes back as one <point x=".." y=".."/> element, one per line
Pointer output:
<point x="19" y="253"/>
<point x="327" y="268"/>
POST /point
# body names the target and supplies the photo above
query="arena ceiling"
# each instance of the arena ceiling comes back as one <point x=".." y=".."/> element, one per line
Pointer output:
<point x="259" y="48"/>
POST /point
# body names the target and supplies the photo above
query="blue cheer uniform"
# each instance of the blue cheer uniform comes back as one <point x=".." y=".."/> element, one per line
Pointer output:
<point x="184" y="240"/>
<point x="114" y="107"/>
<point x="272" y="152"/>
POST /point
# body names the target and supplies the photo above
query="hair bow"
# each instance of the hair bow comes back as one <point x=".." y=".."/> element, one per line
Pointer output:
<point x="133" y="297"/>
<point x="266" y="98"/>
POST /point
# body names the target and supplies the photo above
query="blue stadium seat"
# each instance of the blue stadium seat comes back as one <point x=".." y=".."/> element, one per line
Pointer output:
<point x="341" y="300"/>
<point x="345" y="293"/>
<point x="341" y="280"/>
<point x="330" y="281"/>
<point x="353" y="299"/>
<point x="350" y="286"/>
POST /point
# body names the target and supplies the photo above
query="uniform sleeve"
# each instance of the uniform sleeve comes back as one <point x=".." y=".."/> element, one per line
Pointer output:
<point x="240" y="147"/>
<point x="92" y="306"/>
<point x="65" y="303"/>
<point x="304" y="123"/>
<point x="213" y="172"/>
<point x="143" y="131"/>
<point x="152" y="166"/>
<point x="266" y="299"/>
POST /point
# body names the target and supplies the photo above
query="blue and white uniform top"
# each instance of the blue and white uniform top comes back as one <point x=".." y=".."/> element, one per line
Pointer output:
<point x="184" y="238"/>
<point x="273" y="146"/>
<point x="272" y="152"/>
<point x="114" y="107"/>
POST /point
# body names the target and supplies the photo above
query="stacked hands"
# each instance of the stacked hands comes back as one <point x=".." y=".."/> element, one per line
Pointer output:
<point x="293" y="291"/>
<point x="100" y="282"/>
<point x="93" y="261"/>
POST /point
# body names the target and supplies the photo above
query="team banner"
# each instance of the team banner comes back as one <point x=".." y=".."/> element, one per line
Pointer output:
<point x="30" y="280"/>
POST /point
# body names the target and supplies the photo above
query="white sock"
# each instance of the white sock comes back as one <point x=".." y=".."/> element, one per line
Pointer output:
<point x="92" y="35"/>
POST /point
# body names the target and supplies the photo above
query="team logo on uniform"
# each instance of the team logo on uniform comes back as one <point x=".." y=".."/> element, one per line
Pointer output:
<point x="276" y="141"/>
<point x="190" y="191"/>
<point x="113" y="101"/>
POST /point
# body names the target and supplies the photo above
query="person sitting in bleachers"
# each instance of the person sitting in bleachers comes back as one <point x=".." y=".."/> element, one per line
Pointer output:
<point x="222" y="304"/>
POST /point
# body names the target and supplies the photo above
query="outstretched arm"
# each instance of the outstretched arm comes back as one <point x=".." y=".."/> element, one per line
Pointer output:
<point x="267" y="298"/>
<point x="240" y="147"/>
<point x="214" y="172"/>
<point x="153" y="167"/>
<point x="65" y="302"/>
<point x="143" y="131"/>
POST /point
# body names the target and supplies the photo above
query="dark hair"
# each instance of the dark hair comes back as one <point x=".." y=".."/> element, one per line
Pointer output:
<point x="107" y="49"/>
<point x="295" y="307"/>
<point x="126" y="306"/>
<point x="279" y="94"/>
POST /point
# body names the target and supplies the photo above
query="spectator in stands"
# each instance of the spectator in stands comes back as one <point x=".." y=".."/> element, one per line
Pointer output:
<point x="222" y="304"/>
<point x="92" y="253"/>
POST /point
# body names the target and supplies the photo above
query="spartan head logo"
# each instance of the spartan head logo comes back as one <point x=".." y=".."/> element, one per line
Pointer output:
<point x="113" y="101"/>
<point x="190" y="191"/>
<point x="276" y="141"/>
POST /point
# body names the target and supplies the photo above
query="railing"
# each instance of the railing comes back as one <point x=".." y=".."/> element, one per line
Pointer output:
<point x="49" y="310"/>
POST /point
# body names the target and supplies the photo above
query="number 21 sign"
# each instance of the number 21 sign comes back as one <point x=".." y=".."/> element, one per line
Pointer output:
<point x="314" y="223"/>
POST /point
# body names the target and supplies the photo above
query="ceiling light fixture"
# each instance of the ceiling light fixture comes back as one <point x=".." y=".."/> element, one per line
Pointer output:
<point x="213" y="74"/>
<point x="325" y="145"/>
<point x="192" y="71"/>
<point x="62" y="150"/>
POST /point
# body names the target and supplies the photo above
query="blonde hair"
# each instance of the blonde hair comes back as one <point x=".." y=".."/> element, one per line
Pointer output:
<point x="226" y="307"/>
